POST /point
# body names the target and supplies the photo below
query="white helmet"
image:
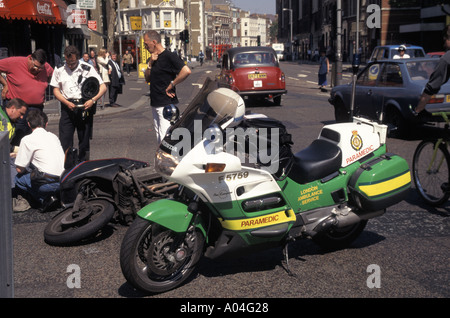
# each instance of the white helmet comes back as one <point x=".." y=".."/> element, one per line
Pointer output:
<point x="228" y="106"/>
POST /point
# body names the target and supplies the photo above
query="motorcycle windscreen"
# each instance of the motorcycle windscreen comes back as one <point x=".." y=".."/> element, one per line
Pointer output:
<point x="188" y="130"/>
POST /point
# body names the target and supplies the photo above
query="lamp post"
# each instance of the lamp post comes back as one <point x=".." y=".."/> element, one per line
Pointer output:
<point x="290" y="23"/>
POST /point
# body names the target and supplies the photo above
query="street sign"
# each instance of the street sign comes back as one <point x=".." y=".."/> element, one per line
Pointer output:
<point x="79" y="16"/>
<point x="87" y="4"/>
<point x="136" y="23"/>
<point x="92" y="24"/>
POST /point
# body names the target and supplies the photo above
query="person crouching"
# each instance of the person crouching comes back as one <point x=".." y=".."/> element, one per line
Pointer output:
<point x="39" y="161"/>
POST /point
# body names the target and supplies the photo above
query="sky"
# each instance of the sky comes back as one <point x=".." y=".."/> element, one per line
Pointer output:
<point x="256" y="6"/>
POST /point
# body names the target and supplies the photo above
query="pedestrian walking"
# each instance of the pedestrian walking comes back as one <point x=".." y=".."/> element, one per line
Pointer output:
<point x="104" y="69"/>
<point x="93" y="58"/>
<point x="77" y="112"/>
<point x="201" y="56"/>
<point x="165" y="71"/>
<point x="127" y="62"/>
<point x="117" y="80"/>
<point x="86" y="59"/>
<point x="324" y="68"/>
<point x="27" y="78"/>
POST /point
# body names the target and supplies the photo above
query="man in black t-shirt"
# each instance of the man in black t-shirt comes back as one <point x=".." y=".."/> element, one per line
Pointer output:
<point x="439" y="76"/>
<point x="165" y="70"/>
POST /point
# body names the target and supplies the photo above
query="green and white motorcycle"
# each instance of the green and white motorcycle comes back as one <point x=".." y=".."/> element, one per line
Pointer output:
<point x="241" y="189"/>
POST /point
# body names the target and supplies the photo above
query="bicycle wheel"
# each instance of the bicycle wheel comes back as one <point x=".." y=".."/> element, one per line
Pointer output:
<point x="432" y="173"/>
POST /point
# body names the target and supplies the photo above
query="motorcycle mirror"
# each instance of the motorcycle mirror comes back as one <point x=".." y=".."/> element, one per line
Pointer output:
<point x="213" y="133"/>
<point x="171" y="113"/>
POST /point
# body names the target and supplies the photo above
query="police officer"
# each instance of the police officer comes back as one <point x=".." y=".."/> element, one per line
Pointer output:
<point x="76" y="112"/>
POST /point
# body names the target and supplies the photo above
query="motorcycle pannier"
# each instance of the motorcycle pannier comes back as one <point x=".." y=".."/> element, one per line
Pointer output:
<point x="381" y="182"/>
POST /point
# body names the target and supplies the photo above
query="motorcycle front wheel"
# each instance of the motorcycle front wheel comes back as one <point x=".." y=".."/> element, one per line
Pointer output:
<point x="154" y="259"/>
<point x="70" y="226"/>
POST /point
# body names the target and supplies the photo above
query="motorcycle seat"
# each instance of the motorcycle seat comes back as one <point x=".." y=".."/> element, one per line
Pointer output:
<point x="320" y="159"/>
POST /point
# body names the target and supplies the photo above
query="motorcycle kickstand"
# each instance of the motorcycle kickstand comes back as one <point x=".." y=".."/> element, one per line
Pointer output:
<point x="286" y="259"/>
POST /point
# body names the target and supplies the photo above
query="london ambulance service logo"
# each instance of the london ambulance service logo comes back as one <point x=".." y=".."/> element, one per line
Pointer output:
<point x="356" y="141"/>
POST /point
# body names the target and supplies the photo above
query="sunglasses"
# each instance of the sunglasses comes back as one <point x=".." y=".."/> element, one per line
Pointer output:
<point x="37" y="67"/>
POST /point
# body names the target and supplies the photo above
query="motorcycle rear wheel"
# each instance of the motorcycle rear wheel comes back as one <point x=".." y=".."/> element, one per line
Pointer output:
<point x="154" y="259"/>
<point x="67" y="227"/>
<point x="340" y="238"/>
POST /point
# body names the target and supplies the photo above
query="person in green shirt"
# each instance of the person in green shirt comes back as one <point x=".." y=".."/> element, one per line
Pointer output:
<point x="14" y="110"/>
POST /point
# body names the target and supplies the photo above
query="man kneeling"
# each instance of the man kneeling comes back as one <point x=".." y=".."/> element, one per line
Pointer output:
<point x="40" y="161"/>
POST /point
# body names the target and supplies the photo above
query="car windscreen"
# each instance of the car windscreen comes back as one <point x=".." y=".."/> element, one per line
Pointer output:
<point x="415" y="53"/>
<point x="254" y="59"/>
<point x="421" y="70"/>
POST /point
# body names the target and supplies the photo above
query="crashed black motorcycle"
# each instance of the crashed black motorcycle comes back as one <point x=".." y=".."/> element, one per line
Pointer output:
<point x="96" y="192"/>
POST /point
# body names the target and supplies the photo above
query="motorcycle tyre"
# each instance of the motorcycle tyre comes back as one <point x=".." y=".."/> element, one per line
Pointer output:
<point x="336" y="239"/>
<point x="130" y="259"/>
<point x="54" y="236"/>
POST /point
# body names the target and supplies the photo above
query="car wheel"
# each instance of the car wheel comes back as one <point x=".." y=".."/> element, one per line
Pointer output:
<point x="277" y="100"/>
<point x="340" y="112"/>
<point x="396" y="122"/>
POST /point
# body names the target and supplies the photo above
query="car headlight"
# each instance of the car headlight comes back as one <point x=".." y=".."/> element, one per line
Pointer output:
<point x="165" y="163"/>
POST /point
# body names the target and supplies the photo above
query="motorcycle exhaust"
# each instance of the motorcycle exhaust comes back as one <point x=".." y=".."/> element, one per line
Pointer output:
<point x="345" y="217"/>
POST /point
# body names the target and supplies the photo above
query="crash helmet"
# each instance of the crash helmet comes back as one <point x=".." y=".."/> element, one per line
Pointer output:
<point x="227" y="105"/>
<point x="402" y="48"/>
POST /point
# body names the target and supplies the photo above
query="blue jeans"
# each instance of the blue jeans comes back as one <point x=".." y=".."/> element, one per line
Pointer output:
<point x="39" y="192"/>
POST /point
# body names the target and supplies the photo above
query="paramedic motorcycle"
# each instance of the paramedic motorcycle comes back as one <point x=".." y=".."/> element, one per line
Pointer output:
<point x="237" y="194"/>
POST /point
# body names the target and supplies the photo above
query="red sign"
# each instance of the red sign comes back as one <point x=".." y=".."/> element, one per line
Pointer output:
<point x="92" y="24"/>
<point x="79" y="16"/>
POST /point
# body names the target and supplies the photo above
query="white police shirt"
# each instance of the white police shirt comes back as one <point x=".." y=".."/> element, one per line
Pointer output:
<point x="69" y="82"/>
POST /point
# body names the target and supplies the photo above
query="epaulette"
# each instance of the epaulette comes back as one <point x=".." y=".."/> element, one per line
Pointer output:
<point x="86" y="67"/>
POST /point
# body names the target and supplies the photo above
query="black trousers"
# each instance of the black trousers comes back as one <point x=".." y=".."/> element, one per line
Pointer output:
<point x="113" y="92"/>
<point x="83" y="123"/>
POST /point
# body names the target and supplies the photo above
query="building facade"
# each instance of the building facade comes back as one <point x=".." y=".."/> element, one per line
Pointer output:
<point x="380" y="22"/>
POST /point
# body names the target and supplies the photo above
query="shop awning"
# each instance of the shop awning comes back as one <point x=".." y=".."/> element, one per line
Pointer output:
<point x="80" y="32"/>
<point x="41" y="11"/>
<point x="59" y="8"/>
<point x="4" y="11"/>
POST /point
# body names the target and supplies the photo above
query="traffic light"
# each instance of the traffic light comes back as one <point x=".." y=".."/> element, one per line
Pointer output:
<point x="258" y="40"/>
<point x="186" y="36"/>
<point x="167" y="41"/>
<point x="181" y="36"/>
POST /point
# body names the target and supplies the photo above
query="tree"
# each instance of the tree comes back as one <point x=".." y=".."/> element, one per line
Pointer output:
<point x="111" y="17"/>
<point x="273" y="32"/>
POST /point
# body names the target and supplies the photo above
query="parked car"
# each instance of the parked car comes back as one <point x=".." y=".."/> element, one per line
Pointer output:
<point x="391" y="87"/>
<point x="253" y="72"/>
<point x="435" y="54"/>
<point x="387" y="52"/>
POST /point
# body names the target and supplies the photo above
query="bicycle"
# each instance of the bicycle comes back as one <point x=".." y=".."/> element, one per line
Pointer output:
<point x="431" y="166"/>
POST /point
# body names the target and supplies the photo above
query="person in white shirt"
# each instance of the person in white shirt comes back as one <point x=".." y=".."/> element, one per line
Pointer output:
<point x="401" y="53"/>
<point x="76" y="112"/>
<point x="40" y="160"/>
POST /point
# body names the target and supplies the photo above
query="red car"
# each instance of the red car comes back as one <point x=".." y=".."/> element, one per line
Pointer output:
<point x="253" y="72"/>
<point x="435" y="54"/>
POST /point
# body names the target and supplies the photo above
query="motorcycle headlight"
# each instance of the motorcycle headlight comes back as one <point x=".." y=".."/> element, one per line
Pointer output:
<point x="165" y="163"/>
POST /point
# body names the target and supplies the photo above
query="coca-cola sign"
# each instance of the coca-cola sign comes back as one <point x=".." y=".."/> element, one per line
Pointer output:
<point x="44" y="8"/>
